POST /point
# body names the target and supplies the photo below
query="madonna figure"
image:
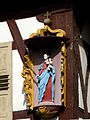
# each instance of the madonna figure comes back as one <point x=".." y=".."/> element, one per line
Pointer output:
<point x="46" y="80"/>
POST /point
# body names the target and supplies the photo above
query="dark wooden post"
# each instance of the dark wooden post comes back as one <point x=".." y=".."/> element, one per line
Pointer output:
<point x="64" y="20"/>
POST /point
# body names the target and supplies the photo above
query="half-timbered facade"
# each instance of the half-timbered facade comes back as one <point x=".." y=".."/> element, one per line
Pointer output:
<point x="64" y="15"/>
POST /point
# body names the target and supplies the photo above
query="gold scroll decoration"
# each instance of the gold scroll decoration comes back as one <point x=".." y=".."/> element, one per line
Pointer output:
<point x="63" y="74"/>
<point x="27" y="73"/>
<point x="44" y="112"/>
<point x="40" y="32"/>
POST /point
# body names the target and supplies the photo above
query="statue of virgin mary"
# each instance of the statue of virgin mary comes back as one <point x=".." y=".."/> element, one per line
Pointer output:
<point x="46" y="80"/>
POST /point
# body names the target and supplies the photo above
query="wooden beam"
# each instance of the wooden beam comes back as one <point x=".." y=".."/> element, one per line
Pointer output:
<point x="23" y="115"/>
<point x="81" y="113"/>
<point x="30" y="8"/>
<point x="17" y="38"/>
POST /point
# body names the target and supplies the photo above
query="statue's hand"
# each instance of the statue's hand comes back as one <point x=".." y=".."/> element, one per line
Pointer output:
<point x="49" y="67"/>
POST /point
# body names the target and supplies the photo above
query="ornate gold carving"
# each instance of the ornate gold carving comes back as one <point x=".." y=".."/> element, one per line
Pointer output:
<point x="63" y="74"/>
<point x="44" y="112"/>
<point x="27" y="73"/>
<point x="40" y="32"/>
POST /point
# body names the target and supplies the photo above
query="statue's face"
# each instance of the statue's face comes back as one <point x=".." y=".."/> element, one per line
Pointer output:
<point x="45" y="56"/>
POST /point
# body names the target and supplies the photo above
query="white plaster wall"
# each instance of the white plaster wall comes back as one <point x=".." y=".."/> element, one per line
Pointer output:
<point x="83" y="58"/>
<point x="18" y="96"/>
<point x="88" y="94"/>
<point x="86" y="37"/>
<point x="28" y="26"/>
<point x="81" y="105"/>
<point x="84" y="68"/>
<point x="5" y="34"/>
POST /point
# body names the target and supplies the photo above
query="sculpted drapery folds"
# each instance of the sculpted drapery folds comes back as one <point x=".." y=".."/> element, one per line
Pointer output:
<point x="46" y="79"/>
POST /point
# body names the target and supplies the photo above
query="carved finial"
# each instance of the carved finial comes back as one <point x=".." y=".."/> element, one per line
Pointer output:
<point x="47" y="14"/>
<point x="47" y="20"/>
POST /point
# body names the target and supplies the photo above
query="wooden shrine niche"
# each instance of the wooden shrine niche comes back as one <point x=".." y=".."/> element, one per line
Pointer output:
<point x="45" y="71"/>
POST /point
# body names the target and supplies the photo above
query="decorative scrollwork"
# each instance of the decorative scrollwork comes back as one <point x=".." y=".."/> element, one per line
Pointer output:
<point x="44" y="112"/>
<point x="40" y="32"/>
<point x="63" y="73"/>
<point x="28" y="82"/>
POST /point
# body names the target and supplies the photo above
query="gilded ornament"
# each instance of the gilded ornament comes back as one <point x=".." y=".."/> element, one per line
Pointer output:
<point x="28" y="82"/>
<point x="63" y="73"/>
<point x="44" y="112"/>
<point x="40" y="32"/>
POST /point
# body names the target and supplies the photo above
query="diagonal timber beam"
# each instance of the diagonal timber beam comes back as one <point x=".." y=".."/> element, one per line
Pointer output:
<point x="17" y="38"/>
